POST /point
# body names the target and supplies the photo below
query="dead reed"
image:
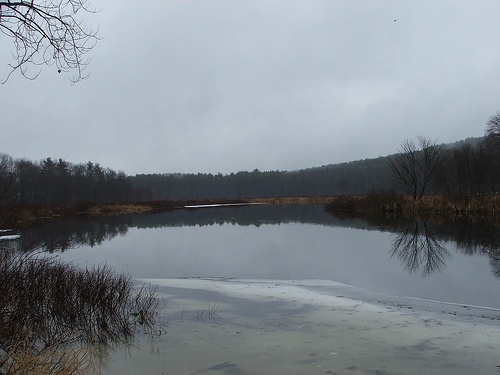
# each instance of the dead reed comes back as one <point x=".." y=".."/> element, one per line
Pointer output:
<point x="118" y="209"/>
<point x="472" y="207"/>
<point x="277" y="201"/>
<point x="210" y="312"/>
<point x="52" y="313"/>
<point x="51" y="359"/>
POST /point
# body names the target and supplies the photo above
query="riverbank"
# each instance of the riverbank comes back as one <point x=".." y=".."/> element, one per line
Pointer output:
<point x="429" y="207"/>
<point x="435" y="208"/>
<point x="432" y="207"/>
<point x="25" y="216"/>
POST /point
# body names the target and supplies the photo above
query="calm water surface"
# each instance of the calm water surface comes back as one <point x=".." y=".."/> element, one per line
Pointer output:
<point x="451" y="262"/>
<point x="290" y="315"/>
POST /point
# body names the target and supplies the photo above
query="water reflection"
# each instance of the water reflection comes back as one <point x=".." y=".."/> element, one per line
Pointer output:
<point x="73" y="233"/>
<point x="419" y="249"/>
<point x="272" y="242"/>
<point x="420" y="246"/>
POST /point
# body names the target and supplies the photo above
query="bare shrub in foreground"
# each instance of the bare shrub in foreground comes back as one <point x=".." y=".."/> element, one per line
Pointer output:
<point x="53" y="315"/>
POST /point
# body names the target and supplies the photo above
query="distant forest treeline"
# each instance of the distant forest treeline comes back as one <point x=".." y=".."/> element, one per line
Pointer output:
<point x="355" y="177"/>
<point x="60" y="182"/>
<point x="466" y="167"/>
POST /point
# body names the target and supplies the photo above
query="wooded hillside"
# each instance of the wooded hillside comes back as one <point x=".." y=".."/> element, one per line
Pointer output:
<point x="465" y="167"/>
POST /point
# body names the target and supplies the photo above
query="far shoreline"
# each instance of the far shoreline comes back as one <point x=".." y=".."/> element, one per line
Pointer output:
<point x="432" y="207"/>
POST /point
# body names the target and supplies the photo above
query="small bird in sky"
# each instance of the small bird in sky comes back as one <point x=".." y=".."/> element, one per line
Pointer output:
<point x="395" y="20"/>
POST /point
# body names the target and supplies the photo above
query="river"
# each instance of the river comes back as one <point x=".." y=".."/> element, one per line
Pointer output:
<point x="294" y="289"/>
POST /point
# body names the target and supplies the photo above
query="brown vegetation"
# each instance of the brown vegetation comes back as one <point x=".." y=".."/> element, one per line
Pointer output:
<point x="54" y="316"/>
<point x="292" y="200"/>
<point x="480" y="206"/>
<point x="386" y="203"/>
<point x="119" y="209"/>
<point x="50" y="360"/>
<point x="23" y="216"/>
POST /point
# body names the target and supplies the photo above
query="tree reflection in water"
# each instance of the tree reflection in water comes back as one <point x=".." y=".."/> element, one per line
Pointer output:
<point x="418" y="248"/>
<point x="426" y="253"/>
<point x="57" y="318"/>
<point x="419" y="244"/>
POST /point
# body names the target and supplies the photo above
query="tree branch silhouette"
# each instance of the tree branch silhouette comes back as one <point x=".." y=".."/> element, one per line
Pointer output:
<point x="48" y="32"/>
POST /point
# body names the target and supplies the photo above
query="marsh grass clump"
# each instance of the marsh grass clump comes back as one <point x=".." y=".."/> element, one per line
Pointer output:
<point x="429" y="206"/>
<point x="278" y="201"/>
<point x="50" y="360"/>
<point x="118" y="209"/>
<point x="54" y="315"/>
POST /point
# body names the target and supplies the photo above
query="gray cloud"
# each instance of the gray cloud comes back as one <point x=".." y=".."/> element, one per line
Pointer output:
<point x="223" y="86"/>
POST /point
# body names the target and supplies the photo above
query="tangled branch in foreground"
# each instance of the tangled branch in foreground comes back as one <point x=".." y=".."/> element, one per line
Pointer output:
<point x="47" y="32"/>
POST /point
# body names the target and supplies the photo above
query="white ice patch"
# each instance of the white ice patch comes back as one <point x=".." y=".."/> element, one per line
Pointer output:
<point x="298" y="326"/>
<point x="10" y="237"/>
<point x="8" y="234"/>
<point x="220" y="205"/>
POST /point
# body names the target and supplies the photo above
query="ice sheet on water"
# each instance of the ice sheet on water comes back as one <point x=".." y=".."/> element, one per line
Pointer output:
<point x="8" y="234"/>
<point x="305" y="326"/>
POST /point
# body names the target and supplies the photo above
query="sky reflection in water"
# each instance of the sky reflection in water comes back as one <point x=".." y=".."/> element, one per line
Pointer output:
<point x="301" y="243"/>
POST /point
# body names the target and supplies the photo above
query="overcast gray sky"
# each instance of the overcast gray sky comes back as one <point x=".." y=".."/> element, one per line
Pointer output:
<point x="225" y="86"/>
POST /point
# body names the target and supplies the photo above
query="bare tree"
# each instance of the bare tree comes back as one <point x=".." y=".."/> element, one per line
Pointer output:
<point x="47" y="32"/>
<point x="6" y="187"/>
<point x="6" y="177"/>
<point x="492" y="146"/>
<point x="404" y="167"/>
<point x="493" y="127"/>
<point x="416" y="166"/>
<point x="429" y="162"/>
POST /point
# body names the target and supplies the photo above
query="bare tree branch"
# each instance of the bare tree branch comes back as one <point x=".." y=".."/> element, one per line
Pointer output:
<point x="416" y="166"/>
<point x="429" y="162"/>
<point x="493" y="126"/>
<point x="492" y="146"/>
<point x="404" y="168"/>
<point x="47" y="32"/>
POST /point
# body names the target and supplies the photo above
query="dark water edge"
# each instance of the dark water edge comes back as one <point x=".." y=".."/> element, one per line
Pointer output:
<point x="93" y="231"/>
<point x="423" y="249"/>
<point x="419" y="246"/>
<point x="470" y="238"/>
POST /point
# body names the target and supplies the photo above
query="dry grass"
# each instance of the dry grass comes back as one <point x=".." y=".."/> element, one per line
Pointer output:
<point x="30" y="215"/>
<point x="487" y="206"/>
<point x="119" y="209"/>
<point x="51" y="360"/>
<point x="472" y="206"/>
<point x="292" y="200"/>
<point x="389" y="203"/>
